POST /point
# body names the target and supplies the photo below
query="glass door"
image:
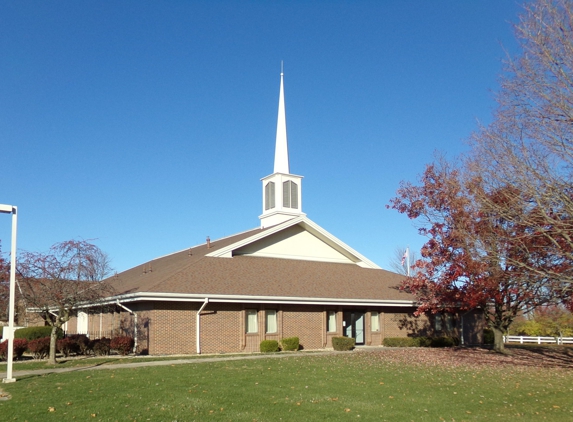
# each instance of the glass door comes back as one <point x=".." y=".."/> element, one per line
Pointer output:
<point x="353" y="326"/>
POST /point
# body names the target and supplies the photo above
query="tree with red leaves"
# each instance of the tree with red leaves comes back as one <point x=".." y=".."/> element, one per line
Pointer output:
<point x="56" y="283"/>
<point x="467" y="262"/>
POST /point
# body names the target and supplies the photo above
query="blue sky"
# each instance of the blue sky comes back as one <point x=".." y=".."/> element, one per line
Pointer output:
<point x="148" y="125"/>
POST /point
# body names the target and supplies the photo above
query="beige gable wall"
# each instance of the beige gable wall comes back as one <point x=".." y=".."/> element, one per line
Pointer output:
<point x="293" y="243"/>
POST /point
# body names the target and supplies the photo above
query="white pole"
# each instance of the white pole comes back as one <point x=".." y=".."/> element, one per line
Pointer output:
<point x="198" y="326"/>
<point x="9" y="377"/>
<point x="408" y="260"/>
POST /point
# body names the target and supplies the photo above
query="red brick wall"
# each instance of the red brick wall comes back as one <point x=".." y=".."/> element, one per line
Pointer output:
<point x="170" y="327"/>
<point x="222" y="328"/>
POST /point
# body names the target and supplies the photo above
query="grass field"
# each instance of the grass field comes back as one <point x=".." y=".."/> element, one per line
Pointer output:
<point x="391" y="385"/>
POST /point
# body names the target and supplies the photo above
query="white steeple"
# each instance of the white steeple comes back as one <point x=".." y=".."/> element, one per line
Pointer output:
<point x="282" y="191"/>
<point x="281" y="146"/>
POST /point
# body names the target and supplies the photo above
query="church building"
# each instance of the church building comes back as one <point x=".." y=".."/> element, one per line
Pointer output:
<point x="287" y="278"/>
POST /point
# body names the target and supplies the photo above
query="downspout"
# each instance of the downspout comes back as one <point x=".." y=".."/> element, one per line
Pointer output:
<point x="198" y="325"/>
<point x="134" y="322"/>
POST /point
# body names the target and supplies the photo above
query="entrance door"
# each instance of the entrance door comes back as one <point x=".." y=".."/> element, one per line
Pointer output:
<point x="353" y="326"/>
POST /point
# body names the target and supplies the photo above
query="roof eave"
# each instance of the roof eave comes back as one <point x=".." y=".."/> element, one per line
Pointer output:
<point x="220" y="298"/>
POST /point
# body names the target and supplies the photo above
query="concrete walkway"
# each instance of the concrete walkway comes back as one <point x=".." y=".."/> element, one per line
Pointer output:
<point x="21" y="373"/>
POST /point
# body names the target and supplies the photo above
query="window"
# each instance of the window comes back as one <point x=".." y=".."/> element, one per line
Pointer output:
<point x="251" y="323"/>
<point x="269" y="195"/>
<point x="271" y="321"/>
<point x="438" y="322"/>
<point x="290" y="194"/>
<point x="374" y="321"/>
<point x="331" y="322"/>
<point x="449" y="322"/>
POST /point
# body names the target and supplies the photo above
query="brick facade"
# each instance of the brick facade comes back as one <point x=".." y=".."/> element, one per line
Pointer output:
<point x="170" y="327"/>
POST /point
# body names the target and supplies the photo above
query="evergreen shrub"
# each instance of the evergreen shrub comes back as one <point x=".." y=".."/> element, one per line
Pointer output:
<point x="343" y="343"/>
<point x="33" y="333"/>
<point x="269" y="346"/>
<point x="122" y="344"/>
<point x="444" y="342"/>
<point x="488" y="336"/>
<point x="407" y="342"/>
<point x="290" y="344"/>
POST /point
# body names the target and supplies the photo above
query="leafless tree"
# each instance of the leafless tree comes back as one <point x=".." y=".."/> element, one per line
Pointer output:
<point x="529" y="144"/>
<point x="399" y="264"/>
<point x="56" y="283"/>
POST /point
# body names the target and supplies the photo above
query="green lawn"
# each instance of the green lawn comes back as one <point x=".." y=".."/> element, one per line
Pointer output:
<point x="392" y="385"/>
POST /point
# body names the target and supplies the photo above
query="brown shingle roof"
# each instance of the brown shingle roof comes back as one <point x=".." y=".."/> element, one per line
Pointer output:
<point x="191" y="272"/>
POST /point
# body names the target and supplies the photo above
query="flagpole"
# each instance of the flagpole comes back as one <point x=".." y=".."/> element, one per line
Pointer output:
<point x="408" y="260"/>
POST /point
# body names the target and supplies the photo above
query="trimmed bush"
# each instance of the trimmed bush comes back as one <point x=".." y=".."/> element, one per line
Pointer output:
<point x="39" y="347"/>
<point x="19" y="347"/>
<point x="269" y="346"/>
<point x="488" y="336"/>
<point x="67" y="346"/>
<point x="444" y="342"/>
<point x="83" y="343"/>
<point x="407" y="342"/>
<point x="33" y="333"/>
<point x="421" y="342"/>
<point x="290" y="344"/>
<point x="101" y="346"/>
<point x="122" y="344"/>
<point x="343" y="343"/>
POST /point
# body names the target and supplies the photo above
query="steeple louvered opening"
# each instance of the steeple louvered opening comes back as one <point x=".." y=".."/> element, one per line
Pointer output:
<point x="269" y="196"/>
<point x="290" y="194"/>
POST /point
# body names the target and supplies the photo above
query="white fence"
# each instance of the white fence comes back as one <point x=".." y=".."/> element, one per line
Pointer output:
<point x="538" y="340"/>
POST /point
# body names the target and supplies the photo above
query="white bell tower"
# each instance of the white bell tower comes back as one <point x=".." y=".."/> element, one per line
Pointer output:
<point x="282" y="191"/>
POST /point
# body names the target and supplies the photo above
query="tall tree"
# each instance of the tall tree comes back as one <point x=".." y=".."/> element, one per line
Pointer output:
<point x="56" y="283"/>
<point x="529" y="144"/>
<point x="468" y="260"/>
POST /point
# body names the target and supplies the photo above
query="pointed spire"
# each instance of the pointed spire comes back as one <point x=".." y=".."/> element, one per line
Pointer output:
<point x="281" y="147"/>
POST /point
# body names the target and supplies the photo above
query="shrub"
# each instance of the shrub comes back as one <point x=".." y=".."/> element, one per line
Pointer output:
<point x="33" y="333"/>
<point x="406" y="342"/>
<point x="67" y="346"/>
<point x="4" y="350"/>
<point x="83" y="343"/>
<point x="101" y="346"/>
<point x="39" y="347"/>
<point x="19" y="347"/>
<point x="123" y="344"/>
<point x="269" y="346"/>
<point x="343" y="343"/>
<point x="488" y="336"/>
<point x="444" y="342"/>
<point x="290" y="344"/>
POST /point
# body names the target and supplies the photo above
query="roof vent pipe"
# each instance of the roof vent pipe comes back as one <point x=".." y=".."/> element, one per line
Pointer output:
<point x="208" y="243"/>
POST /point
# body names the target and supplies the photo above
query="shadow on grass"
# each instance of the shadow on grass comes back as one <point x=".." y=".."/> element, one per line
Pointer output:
<point x="526" y="356"/>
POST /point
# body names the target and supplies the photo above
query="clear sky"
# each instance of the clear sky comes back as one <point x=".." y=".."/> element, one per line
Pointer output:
<point x="148" y="125"/>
